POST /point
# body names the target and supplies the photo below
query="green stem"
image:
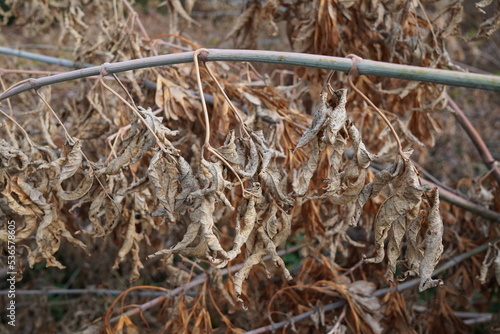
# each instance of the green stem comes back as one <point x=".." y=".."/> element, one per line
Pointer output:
<point x="365" y="67"/>
<point x="43" y="58"/>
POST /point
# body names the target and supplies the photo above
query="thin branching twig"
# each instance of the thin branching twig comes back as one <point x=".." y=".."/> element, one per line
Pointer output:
<point x="476" y="139"/>
<point x="198" y="280"/>
<point x="380" y="292"/>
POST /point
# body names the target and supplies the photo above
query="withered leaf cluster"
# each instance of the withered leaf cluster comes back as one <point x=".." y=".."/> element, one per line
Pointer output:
<point x="267" y="167"/>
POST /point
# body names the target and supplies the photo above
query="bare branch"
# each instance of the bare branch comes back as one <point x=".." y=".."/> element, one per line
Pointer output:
<point x="365" y="67"/>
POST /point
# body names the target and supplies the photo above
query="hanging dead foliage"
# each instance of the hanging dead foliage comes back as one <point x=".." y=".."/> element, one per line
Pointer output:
<point x="125" y="171"/>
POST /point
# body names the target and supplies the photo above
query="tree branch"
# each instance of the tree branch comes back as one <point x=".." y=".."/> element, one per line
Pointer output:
<point x="476" y="139"/>
<point x="366" y="67"/>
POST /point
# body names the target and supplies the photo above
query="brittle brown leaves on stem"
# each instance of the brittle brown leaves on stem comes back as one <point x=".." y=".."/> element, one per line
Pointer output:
<point x="221" y="186"/>
<point x="50" y="230"/>
<point x="163" y="175"/>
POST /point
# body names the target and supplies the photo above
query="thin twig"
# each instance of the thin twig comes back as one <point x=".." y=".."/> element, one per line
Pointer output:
<point x="459" y="314"/>
<point x="32" y="144"/>
<point x="380" y="292"/>
<point x="202" y="96"/>
<point x="50" y="292"/>
<point x="122" y="298"/>
<point x="464" y="203"/>
<point x="137" y="113"/>
<point x="127" y="127"/>
<point x="476" y="139"/>
<point x="339" y="321"/>
<point x="433" y="178"/>
<point x="69" y="138"/>
<point x="139" y="23"/>
<point x="231" y="105"/>
<point x="380" y="113"/>
<point x="198" y="280"/>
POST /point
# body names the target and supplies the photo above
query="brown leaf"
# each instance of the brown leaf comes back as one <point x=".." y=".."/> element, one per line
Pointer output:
<point x="382" y="179"/>
<point x="11" y="157"/>
<point x="49" y="232"/>
<point x="397" y="212"/>
<point x="433" y="245"/>
<point x="272" y="179"/>
<point x="331" y="115"/>
<point x="162" y="173"/>
<point x="131" y="245"/>
<point x="301" y="184"/>
<point x="81" y="190"/>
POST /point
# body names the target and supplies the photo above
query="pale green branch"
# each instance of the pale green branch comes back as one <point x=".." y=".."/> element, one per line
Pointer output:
<point x="365" y="67"/>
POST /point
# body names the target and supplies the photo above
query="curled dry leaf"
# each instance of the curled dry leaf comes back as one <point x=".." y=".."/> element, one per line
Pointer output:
<point x="241" y="153"/>
<point x="382" y="179"/>
<point x="400" y="215"/>
<point x="28" y="211"/>
<point x="11" y="157"/>
<point x="398" y="211"/>
<point x="491" y="259"/>
<point x="260" y="244"/>
<point x="140" y="140"/>
<point x="433" y="245"/>
<point x="71" y="161"/>
<point x="81" y="190"/>
<point x="306" y="173"/>
<point x="481" y="4"/>
<point x="247" y="215"/>
<point x="50" y="230"/>
<point x="111" y="209"/>
<point x="272" y="179"/>
<point x="131" y="245"/>
<point x="330" y="117"/>
<point x="163" y="175"/>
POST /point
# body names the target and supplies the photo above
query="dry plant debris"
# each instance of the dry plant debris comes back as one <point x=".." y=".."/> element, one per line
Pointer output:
<point x="136" y="174"/>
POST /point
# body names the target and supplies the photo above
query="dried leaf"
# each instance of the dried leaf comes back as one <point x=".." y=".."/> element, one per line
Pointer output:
<point x="203" y="213"/>
<point x="481" y="4"/>
<point x="188" y="184"/>
<point x="131" y="244"/>
<point x="81" y="190"/>
<point x="49" y="232"/>
<point x="270" y="246"/>
<point x="331" y="114"/>
<point x="254" y="259"/>
<point x="249" y="218"/>
<point x="272" y="179"/>
<point x="433" y="245"/>
<point x="307" y="171"/>
<point x="94" y="211"/>
<point x="72" y="160"/>
<point x="488" y="261"/>
<point x="163" y="175"/>
<point x="9" y="155"/>
<point x="382" y="179"/>
<point x="397" y="212"/>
